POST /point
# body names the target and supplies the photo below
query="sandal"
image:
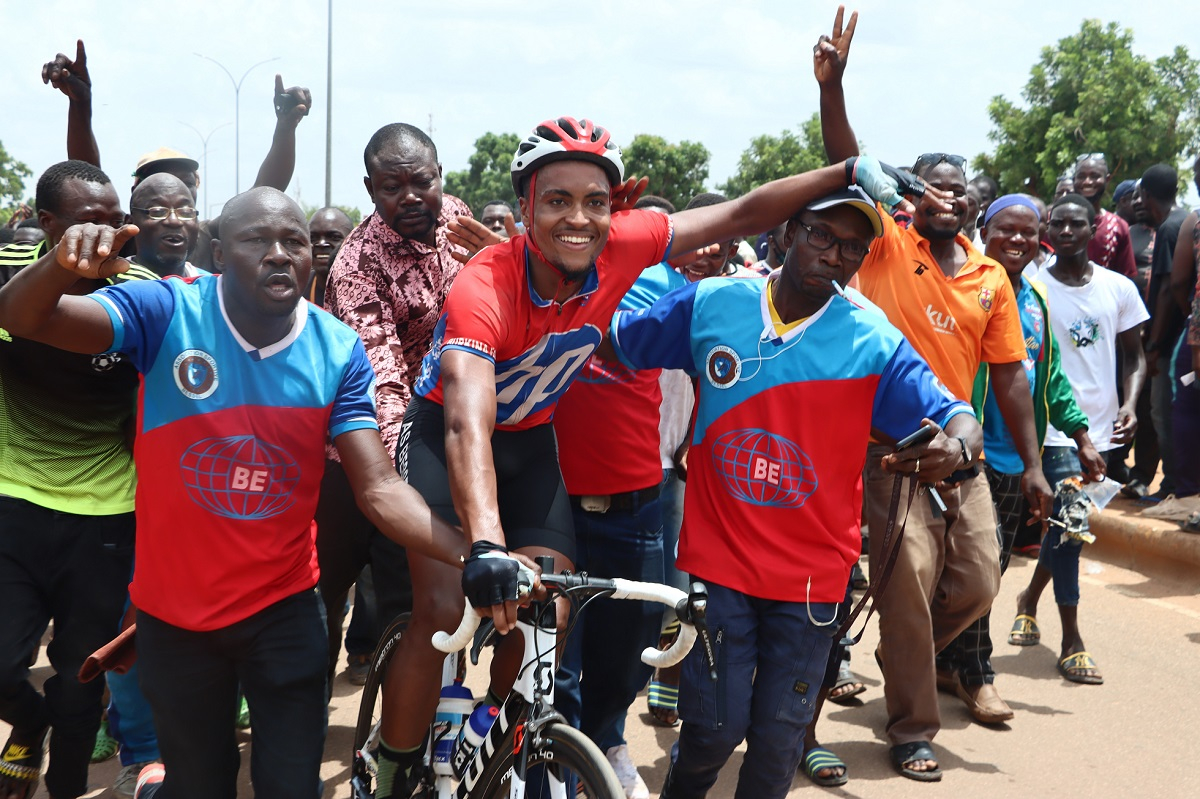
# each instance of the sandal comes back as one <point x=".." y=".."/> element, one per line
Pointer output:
<point x="663" y="701"/>
<point x="818" y="759"/>
<point x="106" y="746"/>
<point x="858" y="580"/>
<point x="904" y="754"/>
<point x="1024" y="631"/>
<point x="1072" y="667"/>
<point x="846" y="678"/>
<point x="21" y="765"/>
<point x="1192" y="525"/>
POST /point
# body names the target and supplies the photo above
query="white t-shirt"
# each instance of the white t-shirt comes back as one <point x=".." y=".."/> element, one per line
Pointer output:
<point x="1086" y="320"/>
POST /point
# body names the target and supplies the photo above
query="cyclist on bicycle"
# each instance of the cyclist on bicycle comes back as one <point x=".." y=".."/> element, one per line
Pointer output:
<point x="518" y="324"/>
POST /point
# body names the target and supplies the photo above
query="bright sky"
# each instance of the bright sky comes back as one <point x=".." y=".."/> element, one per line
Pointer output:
<point x="716" y="72"/>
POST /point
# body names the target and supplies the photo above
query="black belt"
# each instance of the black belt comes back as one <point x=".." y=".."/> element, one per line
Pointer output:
<point x="626" y="502"/>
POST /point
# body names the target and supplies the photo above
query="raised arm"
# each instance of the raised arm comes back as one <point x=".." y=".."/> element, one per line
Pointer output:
<point x="774" y="203"/>
<point x="291" y="105"/>
<point x="35" y="303"/>
<point x="829" y="64"/>
<point x="394" y="506"/>
<point x="72" y="79"/>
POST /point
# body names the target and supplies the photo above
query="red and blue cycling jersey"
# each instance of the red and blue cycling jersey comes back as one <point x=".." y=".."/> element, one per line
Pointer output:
<point x="537" y="345"/>
<point x="230" y="447"/>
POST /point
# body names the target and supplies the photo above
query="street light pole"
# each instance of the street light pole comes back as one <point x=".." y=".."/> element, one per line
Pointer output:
<point x="237" y="117"/>
<point x="329" y="112"/>
<point x="204" y="156"/>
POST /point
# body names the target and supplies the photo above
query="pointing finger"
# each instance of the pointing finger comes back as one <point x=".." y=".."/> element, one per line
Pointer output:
<point x="80" y="55"/>
<point x="278" y="83"/>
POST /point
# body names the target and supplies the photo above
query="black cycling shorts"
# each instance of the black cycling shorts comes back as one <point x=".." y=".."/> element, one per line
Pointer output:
<point x="534" y="508"/>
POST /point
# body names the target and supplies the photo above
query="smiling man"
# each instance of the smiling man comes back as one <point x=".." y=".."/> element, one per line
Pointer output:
<point x="956" y="307"/>
<point x="1111" y="247"/>
<point x="522" y="319"/>
<point x="242" y="383"/>
<point x="328" y="229"/>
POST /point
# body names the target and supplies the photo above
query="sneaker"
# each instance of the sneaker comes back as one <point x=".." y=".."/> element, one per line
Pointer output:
<point x="627" y="773"/>
<point x="357" y="668"/>
<point x="151" y="775"/>
<point x="106" y="746"/>
<point x="1173" y="508"/>
<point x="126" y="782"/>
<point x="243" y="717"/>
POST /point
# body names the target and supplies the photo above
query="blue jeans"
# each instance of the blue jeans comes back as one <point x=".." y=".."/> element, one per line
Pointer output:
<point x="601" y="671"/>
<point x="1060" y="556"/>
<point x="671" y="502"/>
<point x="771" y="660"/>
<point x="130" y="721"/>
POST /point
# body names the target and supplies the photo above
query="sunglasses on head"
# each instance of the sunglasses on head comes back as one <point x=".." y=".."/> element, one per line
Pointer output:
<point x="933" y="159"/>
<point x="1091" y="157"/>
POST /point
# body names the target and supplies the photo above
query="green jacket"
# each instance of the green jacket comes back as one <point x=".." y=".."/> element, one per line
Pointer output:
<point x="1053" y="399"/>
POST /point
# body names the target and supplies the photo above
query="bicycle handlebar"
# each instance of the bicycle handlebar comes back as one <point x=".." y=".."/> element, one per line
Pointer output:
<point x="689" y="609"/>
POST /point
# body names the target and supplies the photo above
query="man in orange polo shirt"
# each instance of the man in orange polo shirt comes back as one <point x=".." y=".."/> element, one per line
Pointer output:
<point x="957" y="309"/>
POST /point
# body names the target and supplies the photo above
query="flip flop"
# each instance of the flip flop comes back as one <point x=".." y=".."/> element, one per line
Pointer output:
<point x="819" y="758"/>
<point x="846" y="677"/>
<point x="21" y="764"/>
<point x="1071" y="667"/>
<point x="1024" y="631"/>
<point x="903" y="754"/>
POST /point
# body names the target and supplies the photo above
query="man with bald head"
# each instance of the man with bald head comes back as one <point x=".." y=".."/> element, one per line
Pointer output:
<point x="231" y="444"/>
<point x="388" y="283"/>
<point x="165" y="214"/>
<point x="328" y="229"/>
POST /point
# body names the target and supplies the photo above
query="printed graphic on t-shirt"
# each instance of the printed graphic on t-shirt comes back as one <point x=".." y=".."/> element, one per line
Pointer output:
<point x="764" y="469"/>
<point x="1085" y="332"/>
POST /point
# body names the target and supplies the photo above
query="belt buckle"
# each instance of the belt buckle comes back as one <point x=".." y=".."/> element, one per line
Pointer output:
<point x="595" y="504"/>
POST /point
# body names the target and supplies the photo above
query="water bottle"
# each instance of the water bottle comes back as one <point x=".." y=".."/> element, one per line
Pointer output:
<point x="474" y="731"/>
<point x="454" y="705"/>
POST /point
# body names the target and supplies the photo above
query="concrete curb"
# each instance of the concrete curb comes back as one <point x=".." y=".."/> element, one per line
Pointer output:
<point x="1135" y="542"/>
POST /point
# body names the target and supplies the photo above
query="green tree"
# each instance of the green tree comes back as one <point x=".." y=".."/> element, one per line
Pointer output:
<point x="488" y="177"/>
<point x="12" y="183"/>
<point x="1091" y="93"/>
<point x="676" y="171"/>
<point x="771" y="157"/>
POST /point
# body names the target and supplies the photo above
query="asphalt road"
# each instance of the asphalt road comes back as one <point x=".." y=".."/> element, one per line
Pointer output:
<point x="1137" y="735"/>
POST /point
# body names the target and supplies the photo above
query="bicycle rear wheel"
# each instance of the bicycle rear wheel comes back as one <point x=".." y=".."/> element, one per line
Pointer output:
<point x="366" y="731"/>
<point x="564" y="753"/>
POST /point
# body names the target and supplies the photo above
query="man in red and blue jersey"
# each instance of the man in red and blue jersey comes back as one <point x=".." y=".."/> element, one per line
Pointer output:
<point x="241" y="384"/>
<point x="771" y="515"/>
<point x="520" y="322"/>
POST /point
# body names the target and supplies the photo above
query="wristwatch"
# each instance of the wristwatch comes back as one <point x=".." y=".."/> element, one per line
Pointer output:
<point x="966" y="451"/>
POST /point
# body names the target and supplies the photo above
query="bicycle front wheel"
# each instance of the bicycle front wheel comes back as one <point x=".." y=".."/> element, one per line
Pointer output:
<point x="366" y="731"/>
<point x="565" y="757"/>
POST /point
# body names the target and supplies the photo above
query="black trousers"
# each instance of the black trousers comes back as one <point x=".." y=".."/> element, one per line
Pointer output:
<point x="191" y="680"/>
<point x="346" y="542"/>
<point x="75" y="571"/>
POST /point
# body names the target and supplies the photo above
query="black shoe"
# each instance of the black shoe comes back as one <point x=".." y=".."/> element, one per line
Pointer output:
<point x="1134" y="489"/>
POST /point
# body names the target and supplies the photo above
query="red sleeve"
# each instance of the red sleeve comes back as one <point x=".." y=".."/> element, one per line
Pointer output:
<point x="638" y="239"/>
<point x="474" y="311"/>
<point x="1123" y="260"/>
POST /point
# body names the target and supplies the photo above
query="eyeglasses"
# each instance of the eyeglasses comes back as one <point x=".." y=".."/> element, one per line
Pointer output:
<point x="852" y="250"/>
<point x="933" y="159"/>
<point x="158" y="213"/>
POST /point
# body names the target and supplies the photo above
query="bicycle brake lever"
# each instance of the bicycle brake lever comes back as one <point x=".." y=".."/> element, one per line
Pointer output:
<point x="696" y="612"/>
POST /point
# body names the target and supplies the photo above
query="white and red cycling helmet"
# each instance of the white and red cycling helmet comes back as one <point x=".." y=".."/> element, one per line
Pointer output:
<point x="567" y="139"/>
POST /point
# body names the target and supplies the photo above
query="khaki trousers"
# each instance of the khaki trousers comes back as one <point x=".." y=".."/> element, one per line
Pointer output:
<point x="946" y="575"/>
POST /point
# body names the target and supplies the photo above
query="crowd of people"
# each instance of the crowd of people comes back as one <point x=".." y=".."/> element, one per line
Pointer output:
<point x="213" y="429"/>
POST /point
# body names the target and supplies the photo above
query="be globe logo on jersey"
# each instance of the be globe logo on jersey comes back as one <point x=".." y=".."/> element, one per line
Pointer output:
<point x="239" y="477"/>
<point x="763" y="468"/>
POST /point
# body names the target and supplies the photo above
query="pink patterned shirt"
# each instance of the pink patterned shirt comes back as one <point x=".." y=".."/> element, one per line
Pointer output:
<point x="390" y="290"/>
